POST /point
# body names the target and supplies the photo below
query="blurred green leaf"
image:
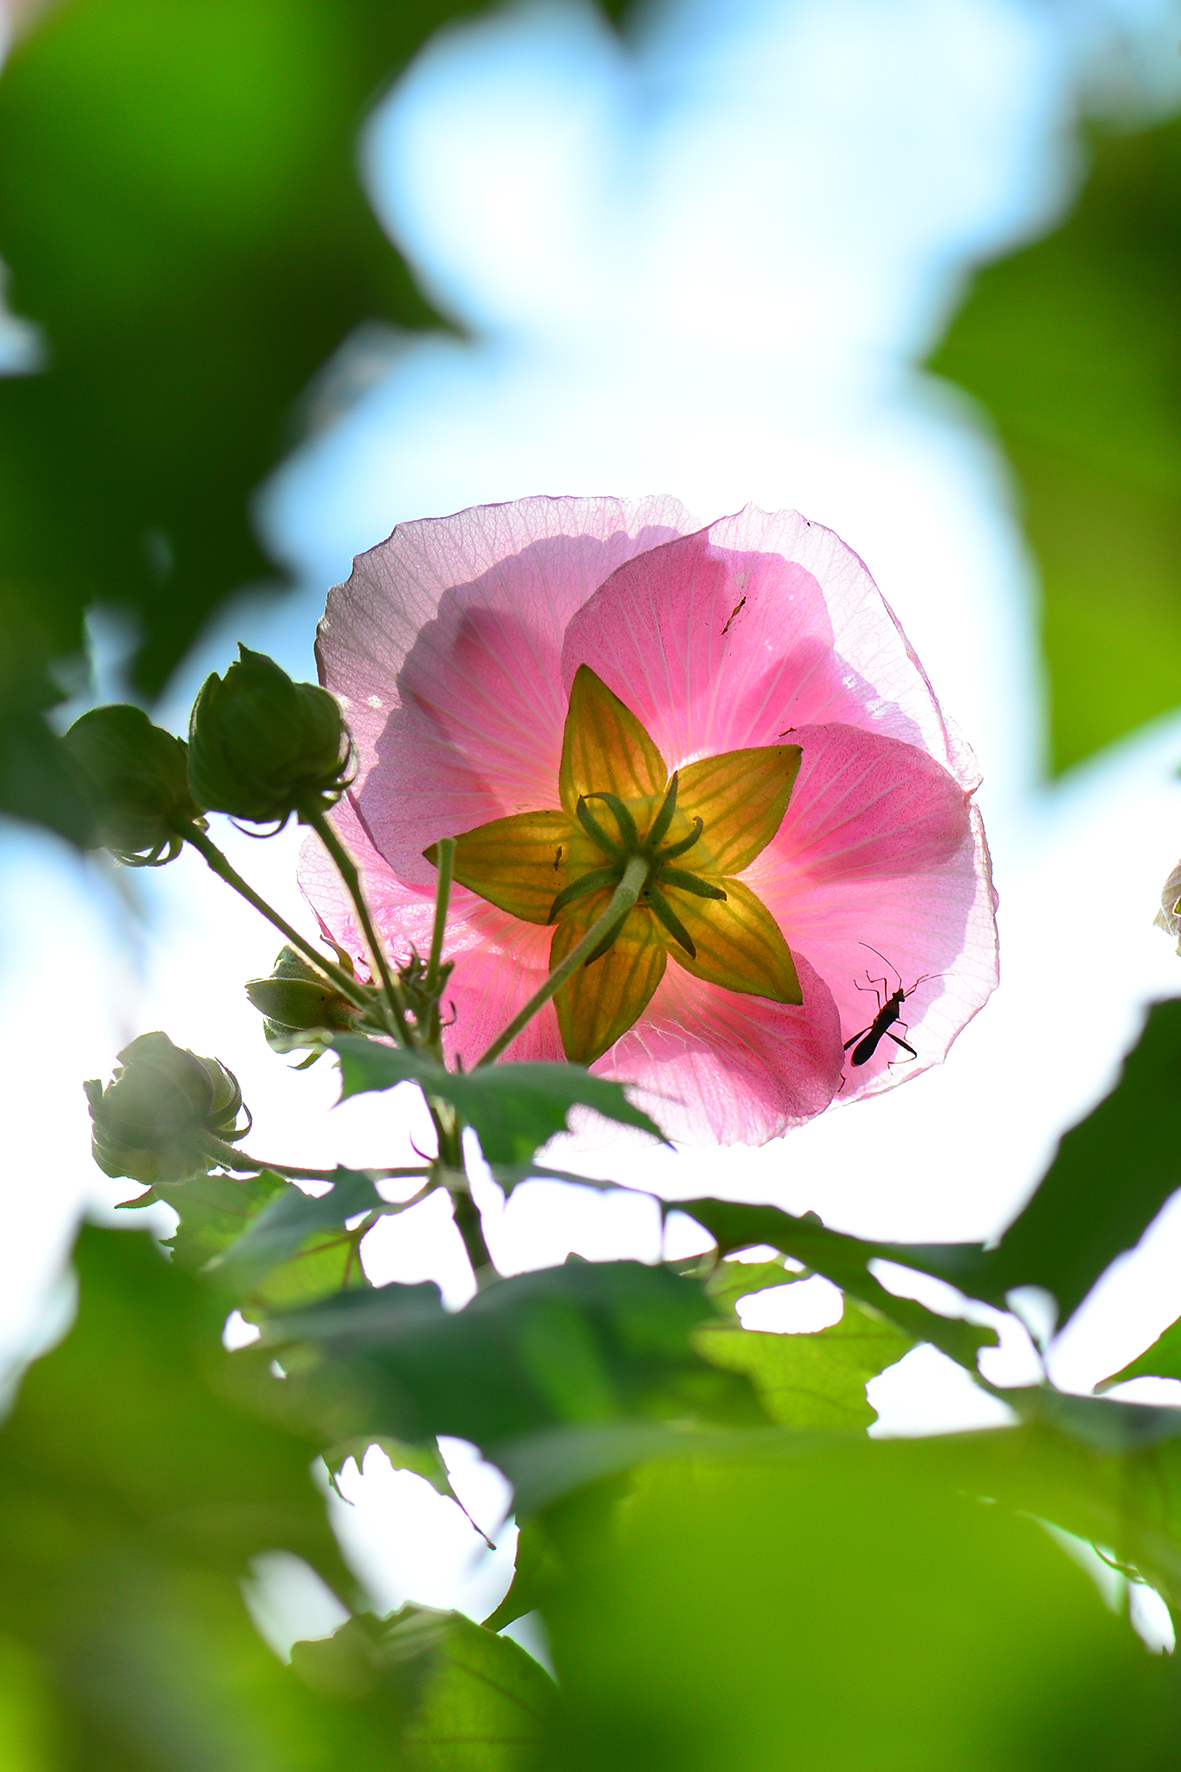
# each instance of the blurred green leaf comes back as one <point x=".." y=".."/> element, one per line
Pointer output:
<point x="473" y="1701"/>
<point x="1073" y="346"/>
<point x="811" y="1380"/>
<point x="1161" y="1360"/>
<point x="424" y="1460"/>
<point x="843" y="1260"/>
<point x="513" y="1108"/>
<point x="1112" y="1174"/>
<point x="39" y="781"/>
<point x="584" y="1342"/>
<point x="852" y="1605"/>
<point x="134" y="1494"/>
<point x="537" y="1569"/>
<point x="183" y="223"/>
<point x="732" y="1280"/>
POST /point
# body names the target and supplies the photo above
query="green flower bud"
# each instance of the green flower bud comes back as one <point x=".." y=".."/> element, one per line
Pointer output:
<point x="155" y="1119"/>
<point x="136" y="778"/>
<point x="297" y="1003"/>
<point x="261" y="746"/>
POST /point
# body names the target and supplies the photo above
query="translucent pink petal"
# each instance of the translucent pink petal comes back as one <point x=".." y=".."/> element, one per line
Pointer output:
<point x="712" y="1064"/>
<point x="758" y="624"/>
<point x="444" y="647"/>
<point x="938" y="924"/>
<point x="863" y="806"/>
<point x="492" y="981"/>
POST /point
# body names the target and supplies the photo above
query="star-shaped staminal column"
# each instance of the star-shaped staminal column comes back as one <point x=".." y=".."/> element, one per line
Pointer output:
<point x="694" y="832"/>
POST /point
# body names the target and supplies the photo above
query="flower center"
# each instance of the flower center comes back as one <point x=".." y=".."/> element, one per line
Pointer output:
<point x="612" y="854"/>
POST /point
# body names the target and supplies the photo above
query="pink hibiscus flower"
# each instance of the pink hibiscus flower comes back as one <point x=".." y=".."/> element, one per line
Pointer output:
<point x="473" y="656"/>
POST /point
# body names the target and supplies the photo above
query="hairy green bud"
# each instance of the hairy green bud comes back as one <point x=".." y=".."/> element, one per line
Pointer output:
<point x="156" y="1120"/>
<point x="262" y="746"/>
<point x="135" y="776"/>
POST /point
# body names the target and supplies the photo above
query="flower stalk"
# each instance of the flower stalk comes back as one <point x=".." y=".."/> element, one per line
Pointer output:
<point x="598" y="936"/>
<point x="311" y="813"/>
<point x="221" y="866"/>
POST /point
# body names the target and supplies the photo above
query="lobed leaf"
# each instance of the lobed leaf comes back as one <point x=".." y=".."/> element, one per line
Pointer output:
<point x="812" y="1380"/>
<point x="584" y="1342"/>
<point x="844" y="1260"/>
<point x="512" y="1108"/>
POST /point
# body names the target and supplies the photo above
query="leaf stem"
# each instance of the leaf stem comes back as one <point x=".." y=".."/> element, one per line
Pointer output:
<point x="231" y="1158"/>
<point x="312" y="814"/>
<point x="218" y="863"/>
<point x="622" y="900"/>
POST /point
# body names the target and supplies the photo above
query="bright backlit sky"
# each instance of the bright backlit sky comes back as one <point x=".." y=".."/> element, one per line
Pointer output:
<point x="704" y="265"/>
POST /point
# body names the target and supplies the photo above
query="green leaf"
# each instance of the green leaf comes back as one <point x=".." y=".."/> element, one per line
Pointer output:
<point x="732" y="1280"/>
<point x="1161" y="1360"/>
<point x="425" y="1460"/>
<point x="472" y="1701"/>
<point x="812" y="1381"/>
<point x="843" y="1260"/>
<point x="513" y="1108"/>
<point x="187" y="227"/>
<point x="485" y="1707"/>
<point x="134" y="1494"/>
<point x="214" y="1211"/>
<point x="264" y="1242"/>
<point x="537" y="1569"/>
<point x="583" y="1342"/>
<point x="1112" y="1174"/>
<point x="296" y="1224"/>
<point x="1073" y="346"/>
<point x="855" y="1604"/>
<point x="511" y="1175"/>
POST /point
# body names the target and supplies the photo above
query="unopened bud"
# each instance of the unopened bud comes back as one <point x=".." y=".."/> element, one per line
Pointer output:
<point x="262" y="746"/>
<point x="296" y="999"/>
<point x="136" y="777"/>
<point x="158" y="1117"/>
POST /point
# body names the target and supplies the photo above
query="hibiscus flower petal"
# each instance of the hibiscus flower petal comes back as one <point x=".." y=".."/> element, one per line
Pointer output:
<point x="864" y="806"/>
<point x="738" y="943"/>
<point x="518" y="863"/>
<point x="605" y="998"/>
<point x="709" y="1064"/>
<point x="740" y="798"/>
<point x="763" y="622"/>
<point x="444" y="648"/>
<point x="939" y="926"/>
<point x="604" y="747"/>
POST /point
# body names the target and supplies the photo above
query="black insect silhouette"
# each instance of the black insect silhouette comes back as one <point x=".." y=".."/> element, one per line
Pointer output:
<point x="890" y="1002"/>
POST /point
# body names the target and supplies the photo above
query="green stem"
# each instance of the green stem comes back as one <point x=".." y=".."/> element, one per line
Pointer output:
<point x="449" y="1132"/>
<point x="446" y="866"/>
<point x="348" y="987"/>
<point x="311" y="814"/>
<point x="445" y="850"/>
<point x="231" y="1158"/>
<point x="622" y="900"/>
